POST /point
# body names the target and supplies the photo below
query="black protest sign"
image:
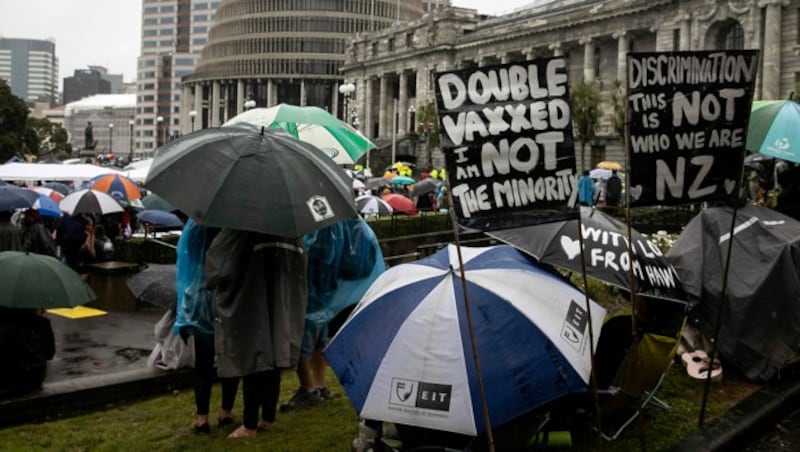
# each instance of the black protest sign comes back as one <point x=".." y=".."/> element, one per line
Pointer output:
<point x="507" y="138"/>
<point x="607" y="258"/>
<point x="688" y="115"/>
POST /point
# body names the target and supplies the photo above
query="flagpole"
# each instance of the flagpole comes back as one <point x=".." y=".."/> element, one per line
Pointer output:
<point x="718" y="322"/>
<point x="473" y="344"/>
<point x="592" y="373"/>
<point x="631" y="274"/>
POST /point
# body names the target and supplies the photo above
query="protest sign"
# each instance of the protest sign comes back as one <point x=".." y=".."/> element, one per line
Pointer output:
<point x="688" y="115"/>
<point x="507" y="138"/>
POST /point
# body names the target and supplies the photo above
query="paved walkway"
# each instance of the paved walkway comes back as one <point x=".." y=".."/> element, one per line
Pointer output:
<point x="98" y="360"/>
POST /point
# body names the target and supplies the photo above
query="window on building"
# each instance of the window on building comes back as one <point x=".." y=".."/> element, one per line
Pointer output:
<point x="731" y="36"/>
<point x="676" y="39"/>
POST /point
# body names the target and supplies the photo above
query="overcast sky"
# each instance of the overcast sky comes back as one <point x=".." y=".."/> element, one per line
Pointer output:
<point x="108" y="32"/>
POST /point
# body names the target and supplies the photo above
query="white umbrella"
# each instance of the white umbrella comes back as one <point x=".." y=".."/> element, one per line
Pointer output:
<point x="404" y="354"/>
<point x="89" y="201"/>
<point x="373" y="205"/>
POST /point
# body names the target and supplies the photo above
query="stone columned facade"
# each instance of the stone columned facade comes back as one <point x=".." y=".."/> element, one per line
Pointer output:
<point x="392" y="68"/>
<point x="287" y="51"/>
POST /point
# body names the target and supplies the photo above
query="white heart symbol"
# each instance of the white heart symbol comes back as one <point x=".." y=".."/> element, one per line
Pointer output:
<point x="636" y="192"/>
<point x="729" y="185"/>
<point x="571" y="247"/>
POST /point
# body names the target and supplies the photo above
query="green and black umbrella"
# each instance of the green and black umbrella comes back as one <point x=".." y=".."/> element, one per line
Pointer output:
<point x="32" y="280"/>
<point x="245" y="178"/>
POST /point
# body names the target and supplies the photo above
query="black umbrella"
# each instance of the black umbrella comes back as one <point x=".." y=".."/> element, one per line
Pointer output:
<point x="759" y="329"/>
<point x="156" y="285"/>
<point x="12" y="198"/>
<point x="606" y="251"/>
<point x="159" y="219"/>
<point x="425" y="186"/>
<point x="245" y="178"/>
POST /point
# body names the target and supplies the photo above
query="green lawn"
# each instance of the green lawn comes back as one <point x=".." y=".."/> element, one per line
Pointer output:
<point x="164" y="423"/>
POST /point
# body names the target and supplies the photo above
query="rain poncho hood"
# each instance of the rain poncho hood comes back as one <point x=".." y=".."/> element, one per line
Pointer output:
<point x="343" y="261"/>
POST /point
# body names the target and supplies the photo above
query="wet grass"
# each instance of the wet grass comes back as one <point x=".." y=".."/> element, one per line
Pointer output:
<point x="164" y="423"/>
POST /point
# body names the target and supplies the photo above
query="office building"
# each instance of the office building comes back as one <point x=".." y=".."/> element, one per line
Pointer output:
<point x="84" y="83"/>
<point x="173" y="34"/>
<point x="30" y="68"/>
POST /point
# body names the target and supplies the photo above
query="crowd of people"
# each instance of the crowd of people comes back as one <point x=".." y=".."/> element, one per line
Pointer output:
<point x="600" y="191"/>
<point x="255" y="305"/>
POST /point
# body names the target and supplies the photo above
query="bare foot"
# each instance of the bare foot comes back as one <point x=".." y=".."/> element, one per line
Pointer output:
<point x="242" y="432"/>
<point x="264" y="426"/>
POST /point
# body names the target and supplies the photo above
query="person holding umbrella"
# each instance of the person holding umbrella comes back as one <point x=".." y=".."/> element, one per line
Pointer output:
<point x="261" y="297"/>
<point x="195" y="318"/>
<point x="28" y="343"/>
<point x="36" y="238"/>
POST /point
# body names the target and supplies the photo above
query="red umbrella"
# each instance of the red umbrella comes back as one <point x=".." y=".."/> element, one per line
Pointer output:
<point x="400" y="203"/>
<point x="50" y="193"/>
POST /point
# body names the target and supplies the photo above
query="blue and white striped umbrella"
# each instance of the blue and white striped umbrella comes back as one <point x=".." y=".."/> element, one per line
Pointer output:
<point x="404" y="354"/>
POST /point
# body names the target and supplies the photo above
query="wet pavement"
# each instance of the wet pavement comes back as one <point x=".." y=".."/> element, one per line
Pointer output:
<point x="98" y="361"/>
<point x="115" y="342"/>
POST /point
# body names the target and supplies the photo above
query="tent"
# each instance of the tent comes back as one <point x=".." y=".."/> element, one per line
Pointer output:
<point x="760" y="326"/>
<point x="51" y="172"/>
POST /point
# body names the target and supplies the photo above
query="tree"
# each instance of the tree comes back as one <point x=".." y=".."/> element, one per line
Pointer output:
<point x="619" y="101"/>
<point x="428" y="121"/>
<point x="13" y="114"/>
<point x="585" y="98"/>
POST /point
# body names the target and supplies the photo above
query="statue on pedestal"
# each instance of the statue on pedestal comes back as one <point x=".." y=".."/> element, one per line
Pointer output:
<point x="88" y="137"/>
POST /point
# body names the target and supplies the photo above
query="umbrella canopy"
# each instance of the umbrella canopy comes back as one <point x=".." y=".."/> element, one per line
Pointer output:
<point x="62" y="188"/>
<point x="400" y="203"/>
<point x="118" y="186"/>
<point x="600" y="173"/>
<point x="49" y="192"/>
<point x="159" y="218"/>
<point x="425" y="186"/>
<point x="156" y="285"/>
<point x="90" y="201"/>
<point x="404" y="354"/>
<point x="314" y="125"/>
<point x="46" y="206"/>
<point x="32" y="280"/>
<point x="609" y="165"/>
<point x="606" y="252"/>
<point x="12" y="198"/>
<point x="774" y="129"/>
<point x="760" y="330"/>
<point x="373" y="205"/>
<point x="402" y="180"/>
<point x="249" y="179"/>
<point x="377" y="182"/>
<point x="154" y="202"/>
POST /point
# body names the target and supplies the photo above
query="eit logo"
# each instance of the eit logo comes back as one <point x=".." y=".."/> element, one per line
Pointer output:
<point x="420" y="394"/>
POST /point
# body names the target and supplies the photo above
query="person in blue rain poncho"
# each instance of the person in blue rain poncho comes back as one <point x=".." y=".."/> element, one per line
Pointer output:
<point x="343" y="261"/>
<point x="195" y="317"/>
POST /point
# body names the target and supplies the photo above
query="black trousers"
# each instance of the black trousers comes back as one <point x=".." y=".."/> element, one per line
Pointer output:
<point x="261" y="390"/>
<point x="204" y="375"/>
